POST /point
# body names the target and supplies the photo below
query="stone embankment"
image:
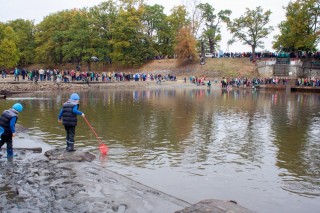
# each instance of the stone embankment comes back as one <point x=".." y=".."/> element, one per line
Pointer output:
<point x="9" y="87"/>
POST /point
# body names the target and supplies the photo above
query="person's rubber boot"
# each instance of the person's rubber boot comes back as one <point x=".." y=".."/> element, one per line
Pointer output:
<point x="71" y="147"/>
<point x="67" y="145"/>
<point x="9" y="153"/>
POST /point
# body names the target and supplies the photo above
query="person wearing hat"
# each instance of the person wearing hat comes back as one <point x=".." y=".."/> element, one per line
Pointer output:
<point x="68" y="117"/>
<point x="8" y="120"/>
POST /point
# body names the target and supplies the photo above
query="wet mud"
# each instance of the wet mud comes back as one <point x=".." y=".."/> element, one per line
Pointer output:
<point x="33" y="183"/>
<point x="215" y="206"/>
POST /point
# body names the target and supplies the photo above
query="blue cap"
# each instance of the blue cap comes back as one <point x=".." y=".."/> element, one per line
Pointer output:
<point x="75" y="97"/>
<point x="18" y="107"/>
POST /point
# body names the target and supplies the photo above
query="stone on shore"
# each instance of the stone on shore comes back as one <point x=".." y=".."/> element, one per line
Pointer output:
<point x="62" y="155"/>
<point x="215" y="206"/>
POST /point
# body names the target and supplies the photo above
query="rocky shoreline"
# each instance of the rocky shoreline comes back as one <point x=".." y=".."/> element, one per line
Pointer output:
<point x="8" y="87"/>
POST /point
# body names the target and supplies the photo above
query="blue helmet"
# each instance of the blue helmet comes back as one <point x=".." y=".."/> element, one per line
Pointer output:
<point x="18" y="107"/>
<point x="75" y="97"/>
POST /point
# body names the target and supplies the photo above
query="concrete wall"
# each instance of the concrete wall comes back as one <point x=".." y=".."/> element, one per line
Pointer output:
<point x="265" y="71"/>
<point x="295" y="70"/>
<point x="313" y="73"/>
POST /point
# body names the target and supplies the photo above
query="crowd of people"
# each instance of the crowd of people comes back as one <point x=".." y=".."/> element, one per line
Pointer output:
<point x="261" y="55"/>
<point x="249" y="82"/>
<point x="307" y="82"/>
<point x="66" y="76"/>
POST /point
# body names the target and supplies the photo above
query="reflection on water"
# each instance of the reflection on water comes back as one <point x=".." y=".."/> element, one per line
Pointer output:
<point x="200" y="144"/>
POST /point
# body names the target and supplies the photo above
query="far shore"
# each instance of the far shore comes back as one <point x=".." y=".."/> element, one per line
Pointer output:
<point x="9" y="86"/>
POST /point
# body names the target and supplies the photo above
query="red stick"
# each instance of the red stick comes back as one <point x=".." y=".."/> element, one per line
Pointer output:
<point x="102" y="147"/>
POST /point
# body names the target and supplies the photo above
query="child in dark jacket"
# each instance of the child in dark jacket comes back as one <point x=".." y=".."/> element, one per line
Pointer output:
<point x="68" y="117"/>
<point x="8" y="120"/>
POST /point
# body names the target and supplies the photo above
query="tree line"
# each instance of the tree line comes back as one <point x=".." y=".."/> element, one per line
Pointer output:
<point x="130" y="32"/>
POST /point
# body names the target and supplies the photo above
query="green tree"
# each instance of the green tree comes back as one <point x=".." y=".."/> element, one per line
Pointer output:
<point x="129" y="43"/>
<point x="300" y="31"/>
<point x="153" y="20"/>
<point x="50" y="35"/>
<point x="102" y="18"/>
<point x="24" y="30"/>
<point x="212" y="21"/>
<point x="69" y="36"/>
<point x="82" y="42"/>
<point x="251" y="28"/>
<point x="9" y="55"/>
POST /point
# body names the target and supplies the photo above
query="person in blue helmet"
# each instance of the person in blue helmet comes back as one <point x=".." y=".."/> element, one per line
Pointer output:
<point x="68" y="117"/>
<point x="8" y="120"/>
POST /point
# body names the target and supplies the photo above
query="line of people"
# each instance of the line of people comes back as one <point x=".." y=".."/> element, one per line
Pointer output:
<point x="72" y="75"/>
<point x="307" y="82"/>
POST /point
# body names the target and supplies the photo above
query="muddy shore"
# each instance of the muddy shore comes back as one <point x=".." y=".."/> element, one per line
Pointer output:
<point x="30" y="182"/>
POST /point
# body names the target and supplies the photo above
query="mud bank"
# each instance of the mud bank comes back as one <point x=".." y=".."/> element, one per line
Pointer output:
<point x="31" y="182"/>
<point x="48" y="186"/>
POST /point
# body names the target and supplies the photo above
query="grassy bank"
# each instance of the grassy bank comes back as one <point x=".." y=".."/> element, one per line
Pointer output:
<point x="214" y="67"/>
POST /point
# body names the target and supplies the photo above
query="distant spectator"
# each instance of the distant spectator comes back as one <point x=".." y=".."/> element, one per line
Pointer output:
<point x="23" y="73"/>
<point x="16" y="74"/>
<point x="4" y="73"/>
<point x="41" y="72"/>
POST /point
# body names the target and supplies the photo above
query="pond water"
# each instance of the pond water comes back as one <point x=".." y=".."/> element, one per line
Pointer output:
<point x="259" y="148"/>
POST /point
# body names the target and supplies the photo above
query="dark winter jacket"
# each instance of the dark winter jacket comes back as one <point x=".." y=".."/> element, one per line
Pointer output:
<point x="68" y="117"/>
<point x="5" y="118"/>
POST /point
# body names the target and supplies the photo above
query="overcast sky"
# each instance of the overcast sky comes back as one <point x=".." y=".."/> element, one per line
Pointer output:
<point x="38" y="9"/>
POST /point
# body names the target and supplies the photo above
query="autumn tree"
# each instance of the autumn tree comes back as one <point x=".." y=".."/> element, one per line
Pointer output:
<point x="251" y="28"/>
<point x="186" y="44"/>
<point x="300" y="31"/>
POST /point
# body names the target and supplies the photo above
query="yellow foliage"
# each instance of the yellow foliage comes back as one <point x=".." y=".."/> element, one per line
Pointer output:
<point x="186" y="44"/>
